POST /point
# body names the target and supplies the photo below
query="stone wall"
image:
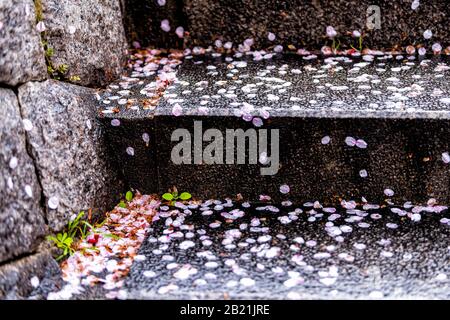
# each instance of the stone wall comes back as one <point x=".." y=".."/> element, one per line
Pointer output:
<point x="53" y="161"/>
<point x="87" y="37"/>
<point x="68" y="147"/>
<point x="22" y="223"/>
<point x="21" y="54"/>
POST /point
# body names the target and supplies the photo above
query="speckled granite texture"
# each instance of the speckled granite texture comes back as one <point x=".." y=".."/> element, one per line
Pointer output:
<point x="87" y="37"/>
<point x="69" y="149"/>
<point x="22" y="222"/>
<point x="223" y="250"/>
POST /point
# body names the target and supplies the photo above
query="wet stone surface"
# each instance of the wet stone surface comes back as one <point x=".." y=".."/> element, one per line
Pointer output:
<point x="70" y="152"/>
<point x="30" y="277"/>
<point x="137" y="93"/>
<point x="143" y="18"/>
<point x="276" y="85"/>
<point x="264" y="84"/>
<point x="223" y="249"/>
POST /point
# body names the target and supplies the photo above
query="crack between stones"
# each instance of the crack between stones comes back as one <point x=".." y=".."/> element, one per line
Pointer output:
<point x="17" y="258"/>
<point x="18" y="85"/>
<point x="39" y="12"/>
<point x="6" y="86"/>
<point x="28" y="149"/>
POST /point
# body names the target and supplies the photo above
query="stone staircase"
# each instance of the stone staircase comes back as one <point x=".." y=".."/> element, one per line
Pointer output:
<point x="339" y="190"/>
<point x="346" y="198"/>
<point x="346" y="128"/>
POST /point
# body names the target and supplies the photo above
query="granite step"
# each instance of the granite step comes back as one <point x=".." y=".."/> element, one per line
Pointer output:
<point x="349" y="127"/>
<point x="224" y="249"/>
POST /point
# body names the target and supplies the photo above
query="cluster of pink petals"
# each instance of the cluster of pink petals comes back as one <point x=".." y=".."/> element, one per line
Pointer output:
<point x="111" y="256"/>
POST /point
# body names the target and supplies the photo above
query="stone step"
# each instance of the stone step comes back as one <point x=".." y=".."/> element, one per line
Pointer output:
<point x="231" y="250"/>
<point x="348" y="128"/>
<point x="302" y="24"/>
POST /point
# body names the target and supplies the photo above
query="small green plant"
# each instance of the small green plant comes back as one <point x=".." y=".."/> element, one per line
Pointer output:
<point x="63" y="68"/>
<point x="173" y="196"/>
<point x="96" y="230"/>
<point x="128" y="197"/>
<point x="76" y="225"/>
<point x="63" y="242"/>
<point x="54" y="72"/>
<point x="49" y="52"/>
<point x="58" y="72"/>
<point x="360" y="44"/>
<point x="77" y="229"/>
<point x="335" y="45"/>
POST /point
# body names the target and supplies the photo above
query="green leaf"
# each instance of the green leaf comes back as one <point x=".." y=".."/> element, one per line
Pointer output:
<point x="68" y="241"/>
<point x="80" y="215"/>
<point x="63" y="68"/>
<point x="122" y="204"/>
<point x="82" y="232"/>
<point x="99" y="225"/>
<point x="89" y="225"/>
<point x="167" y="196"/>
<point x="52" y="238"/>
<point x="185" y="196"/>
<point x="129" y="196"/>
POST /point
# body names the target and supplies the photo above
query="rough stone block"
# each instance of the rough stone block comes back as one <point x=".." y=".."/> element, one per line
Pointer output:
<point x="86" y="36"/>
<point x="19" y="278"/>
<point x="22" y="223"/>
<point x="21" y="53"/>
<point x="68" y="145"/>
